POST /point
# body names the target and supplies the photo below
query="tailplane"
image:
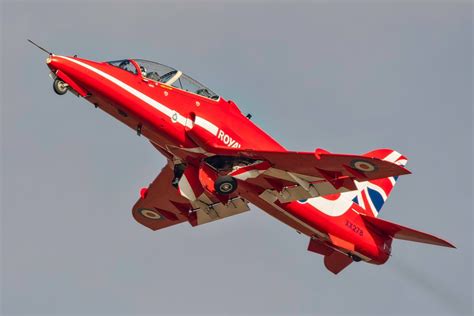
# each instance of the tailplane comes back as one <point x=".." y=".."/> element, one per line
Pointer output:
<point x="401" y="232"/>
<point x="335" y="261"/>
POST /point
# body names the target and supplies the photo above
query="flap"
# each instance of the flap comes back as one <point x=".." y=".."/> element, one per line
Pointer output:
<point x="210" y="213"/>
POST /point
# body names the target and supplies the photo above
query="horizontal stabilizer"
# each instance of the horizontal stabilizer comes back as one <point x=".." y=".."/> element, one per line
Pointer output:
<point x="334" y="260"/>
<point x="400" y="232"/>
<point x="337" y="261"/>
<point x="319" y="247"/>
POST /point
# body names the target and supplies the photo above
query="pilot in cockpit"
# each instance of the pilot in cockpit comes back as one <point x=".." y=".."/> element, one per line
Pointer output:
<point x="153" y="75"/>
<point x="169" y="76"/>
<point x="143" y="71"/>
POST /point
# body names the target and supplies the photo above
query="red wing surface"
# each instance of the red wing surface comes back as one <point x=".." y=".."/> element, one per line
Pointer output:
<point x="319" y="173"/>
<point x="162" y="205"/>
<point x="321" y="164"/>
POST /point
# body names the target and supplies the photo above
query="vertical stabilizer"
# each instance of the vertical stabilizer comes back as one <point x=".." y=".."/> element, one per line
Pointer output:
<point x="371" y="195"/>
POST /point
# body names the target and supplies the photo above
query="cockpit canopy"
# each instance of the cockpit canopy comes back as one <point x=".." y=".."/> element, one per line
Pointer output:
<point x="165" y="74"/>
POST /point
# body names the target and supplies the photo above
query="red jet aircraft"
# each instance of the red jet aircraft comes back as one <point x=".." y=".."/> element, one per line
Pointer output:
<point x="219" y="161"/>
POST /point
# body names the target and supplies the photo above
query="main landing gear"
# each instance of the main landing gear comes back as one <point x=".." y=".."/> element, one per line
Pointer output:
<point x="60" y="87"/>
<point x="178" y="172"/>
<point x="225" y="185"/>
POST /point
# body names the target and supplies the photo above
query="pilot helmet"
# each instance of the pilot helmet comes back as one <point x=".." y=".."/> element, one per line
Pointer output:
<point x="143" y="70"/>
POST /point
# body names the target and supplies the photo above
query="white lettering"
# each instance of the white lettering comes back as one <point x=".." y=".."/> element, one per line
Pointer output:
<point x="226" y="139"/>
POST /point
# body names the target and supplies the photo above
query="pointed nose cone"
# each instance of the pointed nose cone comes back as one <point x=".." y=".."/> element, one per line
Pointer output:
<point x="67" y="70"/>
<point x="54" y="62"/>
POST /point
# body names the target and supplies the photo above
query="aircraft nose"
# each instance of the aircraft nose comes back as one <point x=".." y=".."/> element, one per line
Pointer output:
<point x="63" y="70"/>
<point x="54" y="62"/>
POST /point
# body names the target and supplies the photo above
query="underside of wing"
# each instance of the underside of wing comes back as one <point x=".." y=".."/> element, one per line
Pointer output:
<point x="291" y="176"/>
<point x="161" y="205"/>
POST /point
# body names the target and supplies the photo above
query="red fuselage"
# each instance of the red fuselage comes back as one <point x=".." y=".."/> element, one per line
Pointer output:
<point x="162" y="112"/>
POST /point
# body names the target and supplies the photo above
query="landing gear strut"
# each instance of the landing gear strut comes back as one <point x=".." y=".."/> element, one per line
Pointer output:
<point x="59" y="86"/>
<point x="178" y="171"/>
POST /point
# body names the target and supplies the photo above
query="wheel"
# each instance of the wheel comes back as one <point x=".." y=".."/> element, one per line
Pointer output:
<point x="59" y="86"/>
<point x="355" y="258"/>
<point x="225" y="185"/>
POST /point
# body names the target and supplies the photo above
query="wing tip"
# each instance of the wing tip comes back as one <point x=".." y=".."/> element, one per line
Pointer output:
<point x="447" y="244"/>
<point x="404" y="170"/>
<point x="442" y="243"/>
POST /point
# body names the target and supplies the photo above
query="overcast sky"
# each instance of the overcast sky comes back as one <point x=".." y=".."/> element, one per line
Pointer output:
<point x="345" y="76"/>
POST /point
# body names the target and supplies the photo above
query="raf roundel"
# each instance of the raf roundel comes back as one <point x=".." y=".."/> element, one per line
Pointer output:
<point x="174" y="117"/>
<point x="363" y="165"/>
<point x="150" y="214"/>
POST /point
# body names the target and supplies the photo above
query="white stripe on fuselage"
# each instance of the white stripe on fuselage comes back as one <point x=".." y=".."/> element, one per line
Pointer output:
<point x="160" y="107"/>
<point x="208" y="126"/>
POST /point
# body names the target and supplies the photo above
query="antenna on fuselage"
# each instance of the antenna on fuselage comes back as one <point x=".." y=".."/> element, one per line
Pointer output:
<point x="44" y="50"/>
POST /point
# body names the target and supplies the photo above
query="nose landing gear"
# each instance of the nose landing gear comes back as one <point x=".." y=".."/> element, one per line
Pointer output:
<point x="60" y="87"/>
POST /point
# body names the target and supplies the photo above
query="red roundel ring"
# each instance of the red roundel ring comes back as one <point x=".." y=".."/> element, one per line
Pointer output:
<point x="150" y="214"/>
<point x="363" y="165"/>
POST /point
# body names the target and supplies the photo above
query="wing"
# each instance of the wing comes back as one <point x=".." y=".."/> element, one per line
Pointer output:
<point x="299" y="175"/>
<point x="161" y="205"/>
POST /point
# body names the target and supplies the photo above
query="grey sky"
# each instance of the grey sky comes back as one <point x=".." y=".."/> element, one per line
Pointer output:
<point x="344" y="76"/>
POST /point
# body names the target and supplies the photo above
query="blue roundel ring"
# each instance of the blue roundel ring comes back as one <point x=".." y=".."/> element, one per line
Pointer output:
<point x="363" y="165"/>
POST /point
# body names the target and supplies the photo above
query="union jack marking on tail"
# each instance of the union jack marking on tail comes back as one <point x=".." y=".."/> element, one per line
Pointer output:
<point x="371" y="195"/>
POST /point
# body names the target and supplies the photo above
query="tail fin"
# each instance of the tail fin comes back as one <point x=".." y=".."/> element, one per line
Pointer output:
<point x="371" y="195"/>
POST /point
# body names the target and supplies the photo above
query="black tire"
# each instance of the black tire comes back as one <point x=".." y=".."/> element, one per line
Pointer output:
<point x="59" y="86"/>
<point x="355" y="258"/>
<point x="225" y="185"/>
